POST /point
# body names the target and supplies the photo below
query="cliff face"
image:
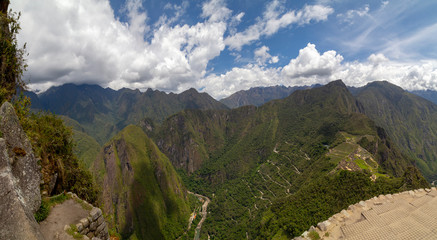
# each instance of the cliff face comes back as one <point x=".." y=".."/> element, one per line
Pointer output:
<point x="142" y="192"/>
<point x="19" y="180"/>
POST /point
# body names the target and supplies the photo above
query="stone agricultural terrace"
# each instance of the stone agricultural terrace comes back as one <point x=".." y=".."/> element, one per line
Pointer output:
<point x="408" y="215"/>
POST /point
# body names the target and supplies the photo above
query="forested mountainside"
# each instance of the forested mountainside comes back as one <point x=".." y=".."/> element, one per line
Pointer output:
<point x="142" y="194"/>
<point x="275" y="170"/>
<point x="257" y="96"/>
<point x="410" y="121"/>
<point x="102" y="112"/>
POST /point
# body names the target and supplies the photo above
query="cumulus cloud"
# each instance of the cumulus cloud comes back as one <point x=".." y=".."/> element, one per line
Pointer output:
<point x="262" y="56"/>
<point x="273" y="19"/>
<point x="310" y="64"/>
<point x="240" y="78"/>
<point x="82" y="42"/>
<point x="312" y="67"/>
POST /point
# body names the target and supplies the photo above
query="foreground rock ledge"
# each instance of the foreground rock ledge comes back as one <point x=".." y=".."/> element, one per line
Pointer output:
<point x="19" y="180"/>
<point x="408" y="215"/>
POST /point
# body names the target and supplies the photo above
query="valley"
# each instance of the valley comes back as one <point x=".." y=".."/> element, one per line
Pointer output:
<point x="260" y="172"/>
<point x="218" y="120"/>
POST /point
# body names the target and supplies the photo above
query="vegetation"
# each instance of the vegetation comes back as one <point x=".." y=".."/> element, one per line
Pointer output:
<point x="46" y="204"/>
<point x="72" y="230"/>
<point x="148" y="199"/>
<point x="52" y="143"/>
<point x="12" y="62"/>
<point x="255" y="162"/>
<point x="410" y="121"/>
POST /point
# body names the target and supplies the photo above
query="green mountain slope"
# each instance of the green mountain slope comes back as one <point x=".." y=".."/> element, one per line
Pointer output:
<point x="257" y="96"/>
<point x="254" y="161"/>
<point x="103" y="112"/>
<point x="141" y="191"/>
<point x="410" y="121"/>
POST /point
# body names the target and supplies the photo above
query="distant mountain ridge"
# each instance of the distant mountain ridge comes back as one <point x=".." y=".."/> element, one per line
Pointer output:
<point x="102" y="112"/>
<point x="257" y="96"/>
<point x="430" y="95"/>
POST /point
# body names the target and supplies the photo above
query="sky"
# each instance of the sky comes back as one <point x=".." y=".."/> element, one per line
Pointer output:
<point x="223" y="46"/>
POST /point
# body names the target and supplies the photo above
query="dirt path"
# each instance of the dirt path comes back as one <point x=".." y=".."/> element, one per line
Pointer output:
<point x="62" y="214"/>
<point x="204" y="212"/>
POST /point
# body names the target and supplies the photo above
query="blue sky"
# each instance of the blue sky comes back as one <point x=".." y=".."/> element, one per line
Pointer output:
<point x="221" y="46"/>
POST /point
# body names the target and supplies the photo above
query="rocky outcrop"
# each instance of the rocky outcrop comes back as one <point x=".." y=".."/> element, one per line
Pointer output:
<point x="19" y="180"/>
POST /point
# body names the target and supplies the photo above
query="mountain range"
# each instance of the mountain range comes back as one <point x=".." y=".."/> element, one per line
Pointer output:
<point x="289" y="159"/>
<point x="257" y="96"/>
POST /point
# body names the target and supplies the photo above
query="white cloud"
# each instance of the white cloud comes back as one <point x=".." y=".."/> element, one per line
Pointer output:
<point x="274" y="19"/>
<point x="216" y="10"/>
<point x="311" y="67"/>
<point x="262" y="56"/>
<point x="309" y="64"/>
<point x="251" y="75"/>
<point x="137" y="18"/>
<point x="82" y="42"/>
<point x="352" y="14"/>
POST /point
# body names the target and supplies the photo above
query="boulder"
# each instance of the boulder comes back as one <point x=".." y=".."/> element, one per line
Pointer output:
<point x="19" y="180"/>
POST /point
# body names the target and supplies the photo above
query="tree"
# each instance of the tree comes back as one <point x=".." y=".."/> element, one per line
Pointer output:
<point x="12" y="62"/>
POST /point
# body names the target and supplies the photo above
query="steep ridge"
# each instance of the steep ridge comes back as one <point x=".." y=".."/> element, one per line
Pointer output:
<point x="410" y="121"/>
<point x="142" y="193"/>
<point x="260" y="165"/>
<point x="257" y="96"/>
<point x="102" y="112"/>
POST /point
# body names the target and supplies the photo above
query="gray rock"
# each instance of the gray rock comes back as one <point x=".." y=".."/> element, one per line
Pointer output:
<point x="93" y="226"/>
<point x="85" y="222"/>
<point x="100" y="220"/>
<point x="24" y="165"/>
<point x="100" y="228"/>
<point x="90" y="235"/>
<point x="95" y="213"/>
<point x="79" y="227"/>
<point x="19" y="180"/>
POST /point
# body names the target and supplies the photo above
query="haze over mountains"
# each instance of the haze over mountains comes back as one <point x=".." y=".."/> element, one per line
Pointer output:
<point x="258" y="164"/>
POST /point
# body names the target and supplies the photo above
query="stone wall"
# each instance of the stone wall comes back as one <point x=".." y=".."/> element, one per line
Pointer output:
<point x="94" y="226"/>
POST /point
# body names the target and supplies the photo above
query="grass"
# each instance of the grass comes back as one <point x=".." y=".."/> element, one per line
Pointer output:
<point x="73" y="232"/>
<point x="47" y="204"/>
<point x="83" y="204"/>
<point x="313" y="235"/>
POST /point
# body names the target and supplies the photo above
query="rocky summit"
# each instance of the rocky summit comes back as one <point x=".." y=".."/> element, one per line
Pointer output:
<point x="19" y="180"/>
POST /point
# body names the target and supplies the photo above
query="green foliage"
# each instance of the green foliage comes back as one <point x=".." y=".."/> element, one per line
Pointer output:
<point x="410" y="122"/>
<point x="73" y="232"/>
<point x="47" y="204"/>
<point x="43" y="212"/>
<point x="324" y="197"/>
<point x="157" y="204"/>
<point x="268" y="170"/>
<point x="12" y="62"/>
<point x="313" y="235"/>
<point x="52" y="142"/>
